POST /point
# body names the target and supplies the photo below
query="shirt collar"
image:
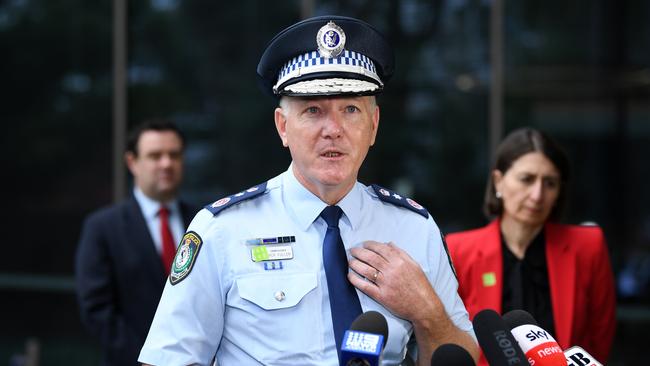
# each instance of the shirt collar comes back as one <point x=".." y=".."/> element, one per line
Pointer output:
<point x="150" y="207"/>
<point x="307" y="207"/>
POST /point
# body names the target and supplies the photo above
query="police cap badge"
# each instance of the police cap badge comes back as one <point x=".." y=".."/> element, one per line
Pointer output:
<point x="326" y="55"/>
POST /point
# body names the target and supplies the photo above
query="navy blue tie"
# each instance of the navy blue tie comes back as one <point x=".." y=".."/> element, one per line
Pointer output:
<point x="344" y="302"/>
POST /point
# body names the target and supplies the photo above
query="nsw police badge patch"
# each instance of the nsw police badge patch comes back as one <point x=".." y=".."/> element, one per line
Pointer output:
<point x="185" y="257"/>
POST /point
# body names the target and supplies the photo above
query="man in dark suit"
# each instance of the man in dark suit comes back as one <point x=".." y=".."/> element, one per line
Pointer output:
<point x="125" y="250"/>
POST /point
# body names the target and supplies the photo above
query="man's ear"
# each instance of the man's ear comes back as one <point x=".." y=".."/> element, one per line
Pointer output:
<point x="375" y="125"/>
<point x="281" y="125"/>
<point x="130" y="159"/>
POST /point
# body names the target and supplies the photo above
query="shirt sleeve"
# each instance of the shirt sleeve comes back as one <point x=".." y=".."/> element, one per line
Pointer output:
<point x="188" y="324"/>
<point x="445" y="283"/>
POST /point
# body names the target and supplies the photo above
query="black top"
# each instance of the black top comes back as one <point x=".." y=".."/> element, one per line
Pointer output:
<point x="525" y="282"/>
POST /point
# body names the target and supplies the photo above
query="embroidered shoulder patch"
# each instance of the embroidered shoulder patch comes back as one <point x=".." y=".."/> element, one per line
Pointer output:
<point x="185" y="257"/>
<point x="397" y="200"/>
<point x="233" y="199"/>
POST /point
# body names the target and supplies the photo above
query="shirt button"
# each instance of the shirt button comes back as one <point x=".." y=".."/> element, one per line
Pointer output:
<point x="280" y="295"/>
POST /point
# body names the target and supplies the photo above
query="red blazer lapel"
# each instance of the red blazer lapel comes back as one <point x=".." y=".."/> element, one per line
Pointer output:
<point x="479" y="265"/>
<point x="490" y="267"/>
<point x="562" y="277"/>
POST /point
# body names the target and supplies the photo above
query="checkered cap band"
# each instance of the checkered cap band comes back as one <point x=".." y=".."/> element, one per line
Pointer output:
<point x="348" y="62"/>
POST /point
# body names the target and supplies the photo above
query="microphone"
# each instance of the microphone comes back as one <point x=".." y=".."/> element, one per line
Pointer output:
<point x="576" y="356"/>
<point x="363" y="343"/>
<point x="496" y="341"/>
<point x="539" y="346"/>
<point x="450" y="354"/>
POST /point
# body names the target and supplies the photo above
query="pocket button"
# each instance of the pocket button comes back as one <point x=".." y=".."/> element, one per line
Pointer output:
<point x="279" y="295"/>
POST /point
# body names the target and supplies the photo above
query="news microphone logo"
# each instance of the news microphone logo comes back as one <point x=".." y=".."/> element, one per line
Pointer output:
<point x="576" y="356"/>
<point x="507" y="346"/>
<point x="361" y="349"/>
<point x="363" y="343"/>
<point x="538" y="345"/>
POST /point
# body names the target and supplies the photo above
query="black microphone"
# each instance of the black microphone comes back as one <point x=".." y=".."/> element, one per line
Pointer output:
<point x="363" y="343"/>
<point x="496" y="341"/>
<point x="450" y="354"/>
<point x="540" y="347"/>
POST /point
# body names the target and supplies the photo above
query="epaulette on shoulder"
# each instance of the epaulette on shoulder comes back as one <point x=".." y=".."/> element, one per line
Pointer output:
<point x="236" y="198"/>
<point x="397" y="200"/>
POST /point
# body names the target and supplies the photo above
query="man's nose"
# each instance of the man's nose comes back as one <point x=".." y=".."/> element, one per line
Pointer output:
<point x="166" y="160"/>
<point x="333" y="126"/>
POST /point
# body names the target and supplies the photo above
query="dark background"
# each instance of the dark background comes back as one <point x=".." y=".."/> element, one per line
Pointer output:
<point x="578" y="70"/>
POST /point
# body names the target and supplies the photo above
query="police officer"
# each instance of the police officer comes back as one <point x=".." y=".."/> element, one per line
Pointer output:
<point x="274" y="274"/>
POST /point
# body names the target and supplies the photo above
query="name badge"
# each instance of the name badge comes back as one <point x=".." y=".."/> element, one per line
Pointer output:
<point x="261" y="253"/>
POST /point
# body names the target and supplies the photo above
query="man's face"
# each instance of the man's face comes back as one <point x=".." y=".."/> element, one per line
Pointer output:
<point x="328" y="139"/>
<point x="158" y="168"/>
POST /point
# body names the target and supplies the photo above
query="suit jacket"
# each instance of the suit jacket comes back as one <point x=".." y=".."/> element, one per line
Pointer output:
<point x="119" y="278"/>
<point x="580" y="278"/>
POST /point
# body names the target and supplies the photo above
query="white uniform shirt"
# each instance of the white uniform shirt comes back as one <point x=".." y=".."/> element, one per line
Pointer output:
<point x="249" y="314"/>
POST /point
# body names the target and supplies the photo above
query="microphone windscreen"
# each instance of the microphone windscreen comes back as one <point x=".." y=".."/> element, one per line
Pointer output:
<point x="450" y="354"/>
<point x="515" y="318"/>
<point x="365" y="340"/>
<point x="538" y="345"/>
<point x="496" y="341"/>
<point x="371" y="322"/>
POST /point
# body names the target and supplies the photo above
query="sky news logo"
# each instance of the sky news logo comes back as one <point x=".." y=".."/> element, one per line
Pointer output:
<point x="534" y="335"/>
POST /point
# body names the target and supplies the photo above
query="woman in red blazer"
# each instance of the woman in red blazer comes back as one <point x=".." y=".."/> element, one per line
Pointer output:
<point x="561" y="274"/>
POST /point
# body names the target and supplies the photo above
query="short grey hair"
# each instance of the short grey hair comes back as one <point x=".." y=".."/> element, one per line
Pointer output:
<point x="284" y="104"/>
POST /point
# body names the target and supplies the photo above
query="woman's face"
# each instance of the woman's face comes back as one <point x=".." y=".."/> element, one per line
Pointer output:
<point x="529" y="189"/>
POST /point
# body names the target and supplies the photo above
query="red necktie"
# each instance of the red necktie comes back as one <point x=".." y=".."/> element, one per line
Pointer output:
<point x="168" y="247"/>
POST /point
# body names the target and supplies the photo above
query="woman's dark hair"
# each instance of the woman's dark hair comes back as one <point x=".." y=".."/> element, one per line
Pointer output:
<point x="518" y="143"/>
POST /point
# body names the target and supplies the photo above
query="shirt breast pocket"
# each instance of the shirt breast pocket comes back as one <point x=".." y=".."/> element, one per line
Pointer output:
<point x="273" y="292"/>
<point x="275" y="315"/>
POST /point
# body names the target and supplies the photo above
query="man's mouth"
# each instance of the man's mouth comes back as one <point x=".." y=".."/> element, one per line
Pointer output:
<point x="332" y="154"/>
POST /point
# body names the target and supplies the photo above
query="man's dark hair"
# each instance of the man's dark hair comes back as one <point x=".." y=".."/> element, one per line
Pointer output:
<point x="153" y="124"/>
<point x="518" y="143"/>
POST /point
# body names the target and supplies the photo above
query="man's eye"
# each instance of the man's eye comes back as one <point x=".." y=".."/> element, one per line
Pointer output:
<point x="351" y="109"/>
<point x="312" y="110"/>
